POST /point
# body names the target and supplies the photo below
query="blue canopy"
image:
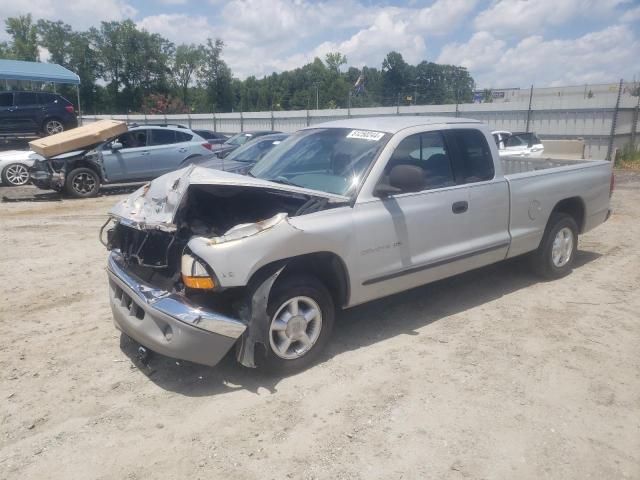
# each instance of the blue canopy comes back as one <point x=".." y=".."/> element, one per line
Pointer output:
<point x="36" y="72"/>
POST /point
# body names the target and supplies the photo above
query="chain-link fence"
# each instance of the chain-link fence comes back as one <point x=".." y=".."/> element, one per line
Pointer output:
<point x="604" y="117"/>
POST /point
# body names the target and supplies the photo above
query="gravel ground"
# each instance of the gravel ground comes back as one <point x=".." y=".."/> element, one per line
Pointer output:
<point x="492" y="374"/>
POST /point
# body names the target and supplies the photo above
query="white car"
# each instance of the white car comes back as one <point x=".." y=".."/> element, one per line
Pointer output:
<point x="517" y="144"/>
<point x="14" y="166"/>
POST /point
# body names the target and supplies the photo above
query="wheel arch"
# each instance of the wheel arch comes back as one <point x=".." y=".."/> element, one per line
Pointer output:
<point x="329" y="267"/>
<point x="575" y="208"/>
<point x="70" y="166"/>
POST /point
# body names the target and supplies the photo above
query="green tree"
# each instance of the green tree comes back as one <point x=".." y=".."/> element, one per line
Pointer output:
<point x="334" y="61"/>
<point x="187" y="62"/>
<point x="394" y="75"/>
<point x="216" y="76"/>
<point x="24" y="42"/>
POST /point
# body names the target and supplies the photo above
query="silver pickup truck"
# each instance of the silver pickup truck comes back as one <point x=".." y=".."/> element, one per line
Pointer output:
<point x="336" y="215"/>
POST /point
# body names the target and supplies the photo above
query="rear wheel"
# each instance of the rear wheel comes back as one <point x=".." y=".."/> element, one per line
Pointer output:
<point x="52" y="126"/>
<point x="555" y="256"/>
<point x="82" y="183"/>
<point x="15" y="174"/>
<point x="301" y="314"/>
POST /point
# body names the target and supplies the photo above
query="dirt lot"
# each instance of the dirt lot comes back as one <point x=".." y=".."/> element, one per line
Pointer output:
<point x="492" y="374"/>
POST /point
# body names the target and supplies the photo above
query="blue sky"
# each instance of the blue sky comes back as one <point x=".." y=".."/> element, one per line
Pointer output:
<point x="502" y="42"/>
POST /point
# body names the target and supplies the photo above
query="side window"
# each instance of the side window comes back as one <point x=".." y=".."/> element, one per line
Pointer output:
<point x="183" y="137"/>
<point x="6" y="99"/>
<point x="162" y="137"/>
<point x="427" y="151"/>
<point x="24" y="99"/>
<point x="46" y="98"/>
<point x="472" y="160"/>
<point x="134" y="139"/>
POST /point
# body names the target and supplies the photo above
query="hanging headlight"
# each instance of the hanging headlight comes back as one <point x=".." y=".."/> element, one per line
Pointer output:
<point x="249" y="229"/>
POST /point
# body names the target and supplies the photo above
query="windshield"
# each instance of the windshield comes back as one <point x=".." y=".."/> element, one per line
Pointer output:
<point x="253" y="151"/>
<point x="239" y="139"/>
<point x="331" y="160"/>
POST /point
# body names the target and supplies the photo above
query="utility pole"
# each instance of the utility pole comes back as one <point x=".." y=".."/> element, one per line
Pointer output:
<point x="614" y="120"/>
<point x="529" y="109"/>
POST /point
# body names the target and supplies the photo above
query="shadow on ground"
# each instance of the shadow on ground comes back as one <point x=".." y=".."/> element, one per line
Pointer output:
<point x="356" y="328"/>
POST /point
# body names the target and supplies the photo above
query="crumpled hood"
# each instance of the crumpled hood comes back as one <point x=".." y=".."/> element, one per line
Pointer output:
<point x="154" y="205"/>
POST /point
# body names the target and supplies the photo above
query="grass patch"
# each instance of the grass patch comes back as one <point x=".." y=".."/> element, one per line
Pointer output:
<point x="628" y="157"/>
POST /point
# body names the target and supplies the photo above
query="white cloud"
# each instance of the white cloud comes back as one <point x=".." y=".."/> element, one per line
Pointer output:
<point x="263" y="36"/>
<point x="178" y="27"/>
<point x="43" y="54"/>
<point x="389" y="31"/>
<point x="631" y="15"/>
<point x="595" y="57"/>
<point x="522" y="17"/>
<point x="80" y="14"/>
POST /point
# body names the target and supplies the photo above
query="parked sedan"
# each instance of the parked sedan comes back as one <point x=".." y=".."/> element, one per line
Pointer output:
<point x="243" y="158"/>
<point x="518" y="144"/>
<point x="239" y="139"/>
<point x="214" y="138"/>
<point x="14" y="166"/>
<point x="142" y="153"/>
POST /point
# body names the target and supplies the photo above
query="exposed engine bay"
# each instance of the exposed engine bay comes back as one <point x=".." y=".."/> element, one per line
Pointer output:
<point x="206" y="211"/>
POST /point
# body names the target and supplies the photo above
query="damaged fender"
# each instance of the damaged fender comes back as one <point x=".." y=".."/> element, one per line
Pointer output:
<point x="254" y="314"/>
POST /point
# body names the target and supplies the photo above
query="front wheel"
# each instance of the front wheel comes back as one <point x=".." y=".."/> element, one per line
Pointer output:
<point x="82" y="183"/>
<point x="15" y="174"/>
<point x="301" y="315"/>
<point x="555" y="256"/>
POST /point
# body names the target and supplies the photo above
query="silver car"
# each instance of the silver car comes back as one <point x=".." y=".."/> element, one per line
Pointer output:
<point x="142" y="153"/>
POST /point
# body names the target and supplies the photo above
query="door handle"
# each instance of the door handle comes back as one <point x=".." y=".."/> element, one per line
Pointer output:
<point x="460" y="207"/>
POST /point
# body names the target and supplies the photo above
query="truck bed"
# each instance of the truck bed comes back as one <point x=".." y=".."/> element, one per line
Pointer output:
<point x="514" y="165"/>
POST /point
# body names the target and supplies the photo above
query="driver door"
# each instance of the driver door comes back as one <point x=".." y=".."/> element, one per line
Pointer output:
<point x="131" y="162"/>
<point x="411" y="238"/>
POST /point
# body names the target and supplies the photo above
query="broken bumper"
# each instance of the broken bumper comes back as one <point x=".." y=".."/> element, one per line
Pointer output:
<point x="168" y="323"/>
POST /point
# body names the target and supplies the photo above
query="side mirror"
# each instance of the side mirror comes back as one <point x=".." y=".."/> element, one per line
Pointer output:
<point x="116" y="146"/>
<point x="407" y="178"/>
<point x="384" y="190"/>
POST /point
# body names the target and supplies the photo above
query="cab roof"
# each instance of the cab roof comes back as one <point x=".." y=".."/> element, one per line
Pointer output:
<point x="393" y="123"/>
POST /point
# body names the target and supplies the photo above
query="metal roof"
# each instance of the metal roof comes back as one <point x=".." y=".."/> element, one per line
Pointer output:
<point x="391" y="123"/>
<point x="36" y="72"/>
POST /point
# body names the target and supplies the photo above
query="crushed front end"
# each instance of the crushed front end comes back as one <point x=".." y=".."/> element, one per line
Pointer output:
<point x="163" y="294"/>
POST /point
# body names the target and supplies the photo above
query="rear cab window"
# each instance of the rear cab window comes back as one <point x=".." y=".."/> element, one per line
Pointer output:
<point x="471" y="155"/>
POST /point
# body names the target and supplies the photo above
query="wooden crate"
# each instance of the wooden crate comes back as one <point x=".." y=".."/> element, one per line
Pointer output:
<point x="78" y="138"/>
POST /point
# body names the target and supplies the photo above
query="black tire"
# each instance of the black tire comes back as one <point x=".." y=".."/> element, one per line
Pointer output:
<point x="285" y="289"/>
<point x="542" y="261"/>
<point x="82" y="183"/>
<point x="51" y="126"/>
<point x="14" y="175"/>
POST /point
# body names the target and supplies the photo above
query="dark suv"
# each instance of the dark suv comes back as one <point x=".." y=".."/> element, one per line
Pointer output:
<point x="35" y="112"/>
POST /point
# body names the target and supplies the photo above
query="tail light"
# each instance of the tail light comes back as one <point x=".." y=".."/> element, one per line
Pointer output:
<point x="612" y="185"/>
<point x="207" y="145"/>
<point x="69" y="108"/>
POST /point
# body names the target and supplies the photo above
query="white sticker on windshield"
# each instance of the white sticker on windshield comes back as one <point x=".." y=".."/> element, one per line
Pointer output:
<point x="365" y="135"/>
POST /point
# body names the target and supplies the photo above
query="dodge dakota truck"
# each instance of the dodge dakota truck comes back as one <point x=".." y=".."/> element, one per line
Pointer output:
<point x="336" y="215"/>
